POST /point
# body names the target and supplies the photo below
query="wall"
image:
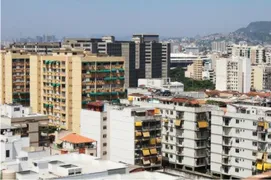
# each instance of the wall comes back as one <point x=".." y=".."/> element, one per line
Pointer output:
<point x="221" y="74"/>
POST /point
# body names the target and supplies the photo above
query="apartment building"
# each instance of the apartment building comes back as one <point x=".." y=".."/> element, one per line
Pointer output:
<point x="219" y="46"/>
<point x="87" y="44"/>
<point x="240" y="141"/>
<point x="30" y="124"/>
<point x="95" y="117"/>
<point x="15" y="77"/>
<point x="11" y="142"/>
<point x="233" y="74"/>
<point x="194" y="70"/>
<point x="135" y="136"/>
<point x="260" y="77"/>
<point x="255" y="53"/>
<point x="40" y="48"/>
<point x="185" y="130"/>
<point x="63" y="84"/>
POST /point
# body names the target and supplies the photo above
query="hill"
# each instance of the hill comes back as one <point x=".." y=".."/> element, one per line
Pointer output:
<point x="256" y="31"/>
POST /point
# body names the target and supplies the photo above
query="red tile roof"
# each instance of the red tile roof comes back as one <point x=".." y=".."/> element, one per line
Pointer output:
<point x="76" y="139"/>
<point x="260" y="94"/>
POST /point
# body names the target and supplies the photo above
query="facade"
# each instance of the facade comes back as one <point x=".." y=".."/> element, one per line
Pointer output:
<point x="240" y="141"/>
<point x="183" y="60"/>
<point x="30" y="124"/>
<point x="173" y="87"/>
<point x="15" y="77"/>
<point x="12" y="141"/>
<point x="72" y="143"/>
<point x="194" y="70"/>
<point x="62" y="83"/>
<point x="40" y="48"/>
<point x="255" y="53"/>
<point x="87" y="44"/>
<point x="233" y="74"/>
<point x="140" y="132"/>
<point x="219" y="46"/>
<point x="260" y="77"/>
<point x="95" y="117"/>
<point x="185" y="130"/>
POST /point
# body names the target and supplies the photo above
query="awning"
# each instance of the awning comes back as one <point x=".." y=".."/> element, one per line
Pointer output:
<point x="259" y="166"/>
<point x="177" y="122"/>
<point x="266" y="125"/>
<point x="259" y="155"/>
<point x="166" y="120"/>
<point x="261" y="123"/>
<point x="152" y="141"/>
<point x="203" y="124"/>
<point x="146" y="134"/>
<point x="158" y="140"/>
<point x="146" y="162"/>
<point x="138" y="123"/>
<point x="146" y="152"/>
<point x="266" y="166"/>
<point x="138" y="134"/>
<point x="156" y="111"/>
<point x="153" y="151"/>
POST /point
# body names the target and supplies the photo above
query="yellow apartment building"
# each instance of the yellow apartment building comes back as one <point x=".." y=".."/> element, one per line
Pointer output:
<point x="15" y="79"/>
<point x="65" y="82"/>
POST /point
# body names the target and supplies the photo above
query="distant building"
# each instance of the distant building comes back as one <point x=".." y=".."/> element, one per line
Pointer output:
<point x="173" y="87"/>
<point x="87" y="44"/>
<point x="219" y="46"/>
<point x="194" y="71"/>
<point x="233" y="74"/>
<point x="183" y="60"/>
<point x="192" y="50"/>
<point x="175" y="48"/>
<point x="261" y="77"/>
<point x="255" y="53"/>
<point x="40" y="47"/>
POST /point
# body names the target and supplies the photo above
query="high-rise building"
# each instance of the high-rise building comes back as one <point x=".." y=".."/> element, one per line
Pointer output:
<point x="63" y="83"/>
<point x="261" y="77"/>
<point x="40" y="47"/>
<point x="233" y="74"/>
<point x="255" y="53"/>
<point x="240" y="144"/>
<point x="194" y="70"/>
<point x="135" y="136"/>
<point x="15" y="77"/>
<point x="185" y="130"/>
<point x="219" y="46"/>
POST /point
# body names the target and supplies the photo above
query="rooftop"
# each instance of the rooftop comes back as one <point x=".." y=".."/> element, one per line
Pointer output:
<point x="76" y="139"/>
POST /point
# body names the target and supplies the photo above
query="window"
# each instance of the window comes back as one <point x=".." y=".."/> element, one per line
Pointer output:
<point x="237" y="140"/>
<point x="236" y="160"/>
<point x="104" y="144"/>
<point x="17" y="109"/>
<point x="104" y="127"/>
<point x="171" y="129"/>
<point x="254" y="153"/>
<point x="254" y="133"/>
<point x="171" y="138"/>
<point x="237" y="150"/>
<point x="7" y="154"/>
<point x="253" y="163"/>
<point x="254" y="123"/>
<point x="237" y="170"/>
<point x="171" y="147"/>
<point x="237" y="131"/>
<point x="171" y="112"/>
<point x="254" y="143"/>
<point x="171" y="156"/>
<point x="237" y="121"/>
<point x="104" y="135"/>
<point x="104" y="118"/>
<point x="104" y="153"/>
<point x="166" y="155"/>
<point x="91" y="154"/>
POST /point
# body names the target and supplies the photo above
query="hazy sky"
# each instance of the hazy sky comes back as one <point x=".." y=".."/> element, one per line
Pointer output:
<point x="21" y="18"/>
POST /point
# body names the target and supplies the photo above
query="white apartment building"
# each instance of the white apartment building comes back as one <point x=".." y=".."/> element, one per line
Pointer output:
<point x="135" y="136"/>
<point x="255" y="53"/>
<point x="233" y="74"/>
<point x="11" y="142"/>
<point x="94" y="124"/>
<point x="261" y="77"/>
<point x="240" y="141"/>
<point x="185" y="130"/>
<point x="219" y="46"/>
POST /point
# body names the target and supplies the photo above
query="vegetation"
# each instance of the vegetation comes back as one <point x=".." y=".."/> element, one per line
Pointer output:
<point x="177" y="74"/>
<point x="217" y="103"/>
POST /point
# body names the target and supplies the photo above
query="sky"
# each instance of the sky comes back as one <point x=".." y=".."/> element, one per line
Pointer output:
<point x="122" y="18"/>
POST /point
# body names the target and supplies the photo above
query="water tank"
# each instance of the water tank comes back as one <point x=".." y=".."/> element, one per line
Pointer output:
<point x="8" y="175"/>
